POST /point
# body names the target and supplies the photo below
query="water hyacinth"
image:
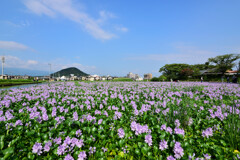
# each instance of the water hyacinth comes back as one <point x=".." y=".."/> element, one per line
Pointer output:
<point x="207" y="133"/>
<point x="37" y="148"/>
<point x="121" y="133"/>
<point x="148" y="139"/>
<point x="82" y="155"/>
<point x="97" y="120"/>
<point x="178" y="150"/>
<point x="163" y="145"/>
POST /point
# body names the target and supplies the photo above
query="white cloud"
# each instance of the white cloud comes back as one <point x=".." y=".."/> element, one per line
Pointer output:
<point x="16" y="62"/>
<point x="12" y="45"/>
<point x="37" y="7"/>
<point x="184" y="54"/>
<point x="32" y="62"/>
<point x="67" y="9"/>
<point x="122" y="29"/>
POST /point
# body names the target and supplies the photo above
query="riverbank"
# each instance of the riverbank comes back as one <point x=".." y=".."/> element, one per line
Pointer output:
<point x="8" y="83"/>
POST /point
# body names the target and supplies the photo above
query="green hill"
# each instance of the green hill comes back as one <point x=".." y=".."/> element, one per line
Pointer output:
<point x="66" y="72"/>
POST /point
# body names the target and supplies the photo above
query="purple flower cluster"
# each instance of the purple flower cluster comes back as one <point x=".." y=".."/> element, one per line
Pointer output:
<point x="37" y="148"/>
<point x="121" y="133"/>
<point x="168" y="129"/>
<point x="208" y="132"/>
<point x="47" y="146"/>
<point x="179" y="131"/>
<point x="82" y="155"/>
<point x="163" y="145"/>
<point x="178" y="150"/>
<point x="117" y="115"/>
<point x="78" y="133"/>
<point x="139" y="129"/>
<point x="148" y="139"/>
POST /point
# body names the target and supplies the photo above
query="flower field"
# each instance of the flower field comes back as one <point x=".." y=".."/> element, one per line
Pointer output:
<point x="121" y="120"/>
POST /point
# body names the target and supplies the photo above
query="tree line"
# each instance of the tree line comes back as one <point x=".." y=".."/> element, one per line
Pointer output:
<point x="217" y="66"/>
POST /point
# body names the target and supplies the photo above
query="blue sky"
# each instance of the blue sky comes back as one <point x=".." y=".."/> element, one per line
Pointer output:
<point x="116" y="37"/>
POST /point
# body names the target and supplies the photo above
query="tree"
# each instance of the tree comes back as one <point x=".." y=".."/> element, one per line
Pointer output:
<point x="224" y="62"/>
<point x="173" y="71"/>
<point x="238" y="67"/>
<point x="186" y="72"/>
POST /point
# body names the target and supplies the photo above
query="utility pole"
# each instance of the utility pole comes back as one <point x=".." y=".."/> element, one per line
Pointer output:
<point x="49" y="70"/>
<point x="3" y="61"/>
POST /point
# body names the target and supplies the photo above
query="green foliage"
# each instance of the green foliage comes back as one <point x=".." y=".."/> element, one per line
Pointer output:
<point x="224" y="62"/>
<point x="162" y="78"/>
<point x="176" y="71"/>
<point x="122" y="80"/>
<point x="155" y="79"/>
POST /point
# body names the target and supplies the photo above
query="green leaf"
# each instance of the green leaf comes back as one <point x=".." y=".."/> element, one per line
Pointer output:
<point x="1" y="145"/>
<point x="137" y="151"/>
<point x="8" y="151"/>
<point x="30" y="155"/>
<point x="144" y="150"/>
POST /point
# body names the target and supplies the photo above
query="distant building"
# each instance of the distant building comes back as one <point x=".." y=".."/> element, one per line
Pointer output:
<point x="130" y="75"/>
<point x="133" y="76"/>
<point x="148" y="76"/>
<point x="109" y="78"/>
<point x="230" y="73"/>
<point x="139" y="79"/>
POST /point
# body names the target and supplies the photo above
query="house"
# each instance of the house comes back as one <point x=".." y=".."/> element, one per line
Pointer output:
<point x="139" y="79"/>
<point x="3" y="77"/>
<point x="109" y="78"/>
<point x="83" y="78"/>
<point x="63" y="78"/>
<point x="230" y="73"/>
<point x="147" y="76"/>
<point x="103" y="78"/>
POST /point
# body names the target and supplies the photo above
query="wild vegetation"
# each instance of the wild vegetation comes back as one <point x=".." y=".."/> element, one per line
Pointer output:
<point x="119" y="120"/>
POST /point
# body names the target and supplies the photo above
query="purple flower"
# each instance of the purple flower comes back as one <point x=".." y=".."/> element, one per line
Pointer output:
<point x="47" y="146"/>
<point x="208" y="132"/>
<point x="163" y="127"/>
<point x="54" y="111"/>
<point x="68" y="140"/>
<point x="68" y="157"/>
<point x="9" y="115"/>
<point x="104" y="149"/>
<point x="45" y="116"/>
<point x="100" y="121"/>
<point x="178" y="150"/>
<point x="121" y="133"/>
<point x="117" y="115"/>
<point x="82" y="155"/>
<point x="61" y="150"/>
<point x="170" y="158"/>
<point x="177" y="123"/>
<point x="37" y="148"/>
<point x="207" y="156"/>
<point x="78" y="133"/>
<point x="163" y="145"/>
<point x="58" y="140"/>
<point x="179" y="131"/>
<point x="79" y="143"/>
<point x="75" y="116"/>
<point x="148" y="139"/>
<point x="92" y="150"/>
<point x="169" y="129"/>
<point x="18" y="122"/>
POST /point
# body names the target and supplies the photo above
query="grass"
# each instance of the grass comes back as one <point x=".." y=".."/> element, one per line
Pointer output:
<point x="10" y="82"/>
<point x="122" y="80"/>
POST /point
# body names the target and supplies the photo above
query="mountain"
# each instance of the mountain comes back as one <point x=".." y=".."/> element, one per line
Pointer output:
<point x="66" y="72"/>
